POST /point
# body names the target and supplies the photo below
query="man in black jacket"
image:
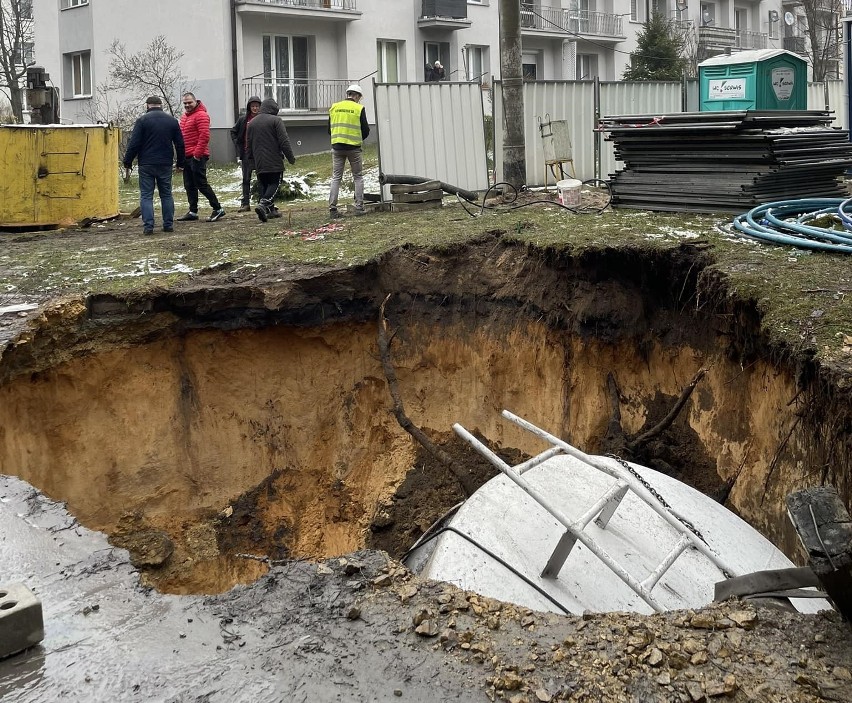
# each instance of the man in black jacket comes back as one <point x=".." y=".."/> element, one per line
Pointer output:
<point x="239" y="135"/>
<point x="156" y="141"/>
<point x="268" y="143"/>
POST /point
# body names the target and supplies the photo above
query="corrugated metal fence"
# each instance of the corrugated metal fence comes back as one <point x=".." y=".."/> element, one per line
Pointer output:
<point x="436" y="129"/>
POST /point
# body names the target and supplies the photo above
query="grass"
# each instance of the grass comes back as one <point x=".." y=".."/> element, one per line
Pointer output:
<point x="805" y="297"/>
<point x="226" y="180"/>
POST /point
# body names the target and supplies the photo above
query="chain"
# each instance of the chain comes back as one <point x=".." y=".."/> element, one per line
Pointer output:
<point x="686" y="523"/>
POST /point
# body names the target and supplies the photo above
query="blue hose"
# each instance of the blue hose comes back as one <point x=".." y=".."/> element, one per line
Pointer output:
<point x="786" y="222"/>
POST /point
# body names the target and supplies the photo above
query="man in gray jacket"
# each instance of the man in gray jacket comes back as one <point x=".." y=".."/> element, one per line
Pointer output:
<point x="268" y="144"/>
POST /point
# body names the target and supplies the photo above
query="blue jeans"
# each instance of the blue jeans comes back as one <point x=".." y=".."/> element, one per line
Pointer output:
<point x="161" y="174"/>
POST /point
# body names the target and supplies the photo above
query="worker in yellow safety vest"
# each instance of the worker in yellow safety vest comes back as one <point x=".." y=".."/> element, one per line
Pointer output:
<point x="348" y="127"/>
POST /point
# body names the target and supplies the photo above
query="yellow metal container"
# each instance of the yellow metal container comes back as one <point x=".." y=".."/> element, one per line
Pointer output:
<point x="54" y="175"/>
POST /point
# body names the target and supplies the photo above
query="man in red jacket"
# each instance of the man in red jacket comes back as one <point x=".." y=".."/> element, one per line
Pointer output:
<point x="195" y="126"/>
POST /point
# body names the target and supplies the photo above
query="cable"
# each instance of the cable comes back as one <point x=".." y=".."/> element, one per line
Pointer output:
<point x="499" y="560"/>
<point x="512" y="193"/>
<point x="786" y="222"/>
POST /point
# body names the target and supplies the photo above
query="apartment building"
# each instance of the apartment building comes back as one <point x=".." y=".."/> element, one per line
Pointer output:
<point x="305" y="52"/>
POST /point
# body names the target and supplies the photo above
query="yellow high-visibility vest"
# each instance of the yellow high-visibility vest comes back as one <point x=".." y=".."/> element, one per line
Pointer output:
<point x="345" y="119"/>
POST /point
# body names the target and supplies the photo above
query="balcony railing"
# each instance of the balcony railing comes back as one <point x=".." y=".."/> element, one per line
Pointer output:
<point x="751" y="40"/>
<point x="717" y="37"/>
<point x="795" y="44"/>
<point x="557" y="19"/>
<point x="298" y="94"/>
<point x="457" y="9"/>
<point x="326" y="4"/>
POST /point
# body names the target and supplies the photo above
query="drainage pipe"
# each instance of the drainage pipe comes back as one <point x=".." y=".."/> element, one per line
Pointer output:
<point x="390" y="179"/>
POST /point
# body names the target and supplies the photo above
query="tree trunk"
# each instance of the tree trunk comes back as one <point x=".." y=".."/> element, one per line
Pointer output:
<point x="511" y="72"/>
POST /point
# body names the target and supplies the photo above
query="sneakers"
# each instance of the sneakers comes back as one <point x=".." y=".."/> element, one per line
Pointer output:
<point x="188" y="216"/>
<point x="359" y="211"/>
<point x="216" y="215"/>
<point x="261" y="212"/>
<point x="244" y="208"/>
<point x="147" y="230"/>
<point x="168" y="229"/>
<point x="334" y="214"/>
<point x="273" y="212"/>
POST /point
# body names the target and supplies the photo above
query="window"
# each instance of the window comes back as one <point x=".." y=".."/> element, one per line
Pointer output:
<point x="387" y="59"/>
<point x="73" y="3"/>
<point x="774" y="20"/>
<point x="637" y="10"/>
<point x="26" y="9"/>
<point x="285" y="71"/>
<point x="476" y="59"/>
<point x="25" y="55"/>
<point x="78" y="67"/>
<point x="708" y="14"/>
<point x="529" y="66"/>
<point x="587" y="67"/>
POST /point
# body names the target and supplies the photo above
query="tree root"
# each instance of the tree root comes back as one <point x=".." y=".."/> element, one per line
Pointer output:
<point x="384" y="340"/>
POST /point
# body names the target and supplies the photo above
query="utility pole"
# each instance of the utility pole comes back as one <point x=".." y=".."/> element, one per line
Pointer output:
<point x="512" y="78"/>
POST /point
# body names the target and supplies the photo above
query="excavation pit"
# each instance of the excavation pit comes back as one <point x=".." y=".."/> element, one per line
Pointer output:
<point x="218" y="430"/>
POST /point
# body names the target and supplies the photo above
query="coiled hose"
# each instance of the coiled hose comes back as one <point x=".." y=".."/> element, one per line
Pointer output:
<point x="789" y="222"/>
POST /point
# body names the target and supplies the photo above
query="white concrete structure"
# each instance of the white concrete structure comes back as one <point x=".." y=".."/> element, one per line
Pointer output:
<point x="304" y="52"/>
<point x="569" y="532"/>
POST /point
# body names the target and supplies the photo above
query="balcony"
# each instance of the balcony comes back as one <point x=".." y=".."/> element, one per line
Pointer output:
<point x="796" y="45"/>
<point x="715" y="39"/>
<point x="558" y="20"/>
<point x="334" y="10"/>
<point x="443" y="14"/>
<point x="751" y="40"/>
<point x="298" y="95"/>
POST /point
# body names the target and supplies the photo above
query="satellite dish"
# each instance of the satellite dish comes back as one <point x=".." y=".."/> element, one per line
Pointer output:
<point x="706" y="17"/>
<point x="789" y="19"/>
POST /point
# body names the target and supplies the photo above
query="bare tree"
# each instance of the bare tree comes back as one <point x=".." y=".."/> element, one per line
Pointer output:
<point x="153" y="71"/>
<point x="109" y="107"/>
<point x="823" y="32"/>
<point x="16" y="49"/>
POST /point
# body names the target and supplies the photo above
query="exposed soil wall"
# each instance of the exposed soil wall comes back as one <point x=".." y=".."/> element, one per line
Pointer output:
<point x="256" y="418"/>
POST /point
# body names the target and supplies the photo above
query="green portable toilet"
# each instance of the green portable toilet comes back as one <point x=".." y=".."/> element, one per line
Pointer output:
<point x="763" y="79"/>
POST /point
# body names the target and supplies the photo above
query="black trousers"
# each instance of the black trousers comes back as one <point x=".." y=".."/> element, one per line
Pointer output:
<point x="248" y="168"/>
<point x="269" y="183"/>
<point x="195" y="182"/>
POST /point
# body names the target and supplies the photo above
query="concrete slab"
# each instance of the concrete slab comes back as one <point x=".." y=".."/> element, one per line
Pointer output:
<point x="21" y="622"/>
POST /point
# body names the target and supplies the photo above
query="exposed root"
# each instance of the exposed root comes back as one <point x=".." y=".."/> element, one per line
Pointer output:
<point x="665" y="423"/>
<point x="384" y="340"/>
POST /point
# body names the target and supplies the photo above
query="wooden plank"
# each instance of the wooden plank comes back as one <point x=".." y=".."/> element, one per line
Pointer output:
<point x="825" y="531"/>
<point x="405" y="207"/>
<point x="414" y="188"/>
<point x="418" y="197"/>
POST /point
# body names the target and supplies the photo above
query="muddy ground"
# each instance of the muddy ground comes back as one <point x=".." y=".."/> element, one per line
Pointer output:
<point x="318" y="617"/>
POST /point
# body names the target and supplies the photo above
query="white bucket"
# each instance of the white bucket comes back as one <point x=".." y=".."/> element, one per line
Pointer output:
<point x="569" y="192"/>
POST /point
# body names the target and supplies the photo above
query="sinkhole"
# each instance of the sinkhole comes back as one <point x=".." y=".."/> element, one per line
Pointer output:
<point x="213" y="429"/>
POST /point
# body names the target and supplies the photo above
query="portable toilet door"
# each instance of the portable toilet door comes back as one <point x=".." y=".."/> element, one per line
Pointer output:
<point x="764" y="79"/>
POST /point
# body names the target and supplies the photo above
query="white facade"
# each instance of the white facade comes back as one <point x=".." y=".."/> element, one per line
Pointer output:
<point x="305" y="52"/>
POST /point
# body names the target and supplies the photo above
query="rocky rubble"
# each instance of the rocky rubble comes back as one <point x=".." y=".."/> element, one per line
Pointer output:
<point x="727" y="651"/>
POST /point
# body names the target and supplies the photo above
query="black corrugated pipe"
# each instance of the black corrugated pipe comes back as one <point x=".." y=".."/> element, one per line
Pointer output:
<point x="390" y="179"/>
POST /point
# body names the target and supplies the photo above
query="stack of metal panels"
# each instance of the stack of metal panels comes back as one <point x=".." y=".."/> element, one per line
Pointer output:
<point x="726" y="161"/>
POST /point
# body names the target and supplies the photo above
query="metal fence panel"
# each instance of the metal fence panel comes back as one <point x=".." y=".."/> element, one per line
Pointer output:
<point x="435" y="130"/>
<point x="574" y="101"/>
<point x="829" y="96"/>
